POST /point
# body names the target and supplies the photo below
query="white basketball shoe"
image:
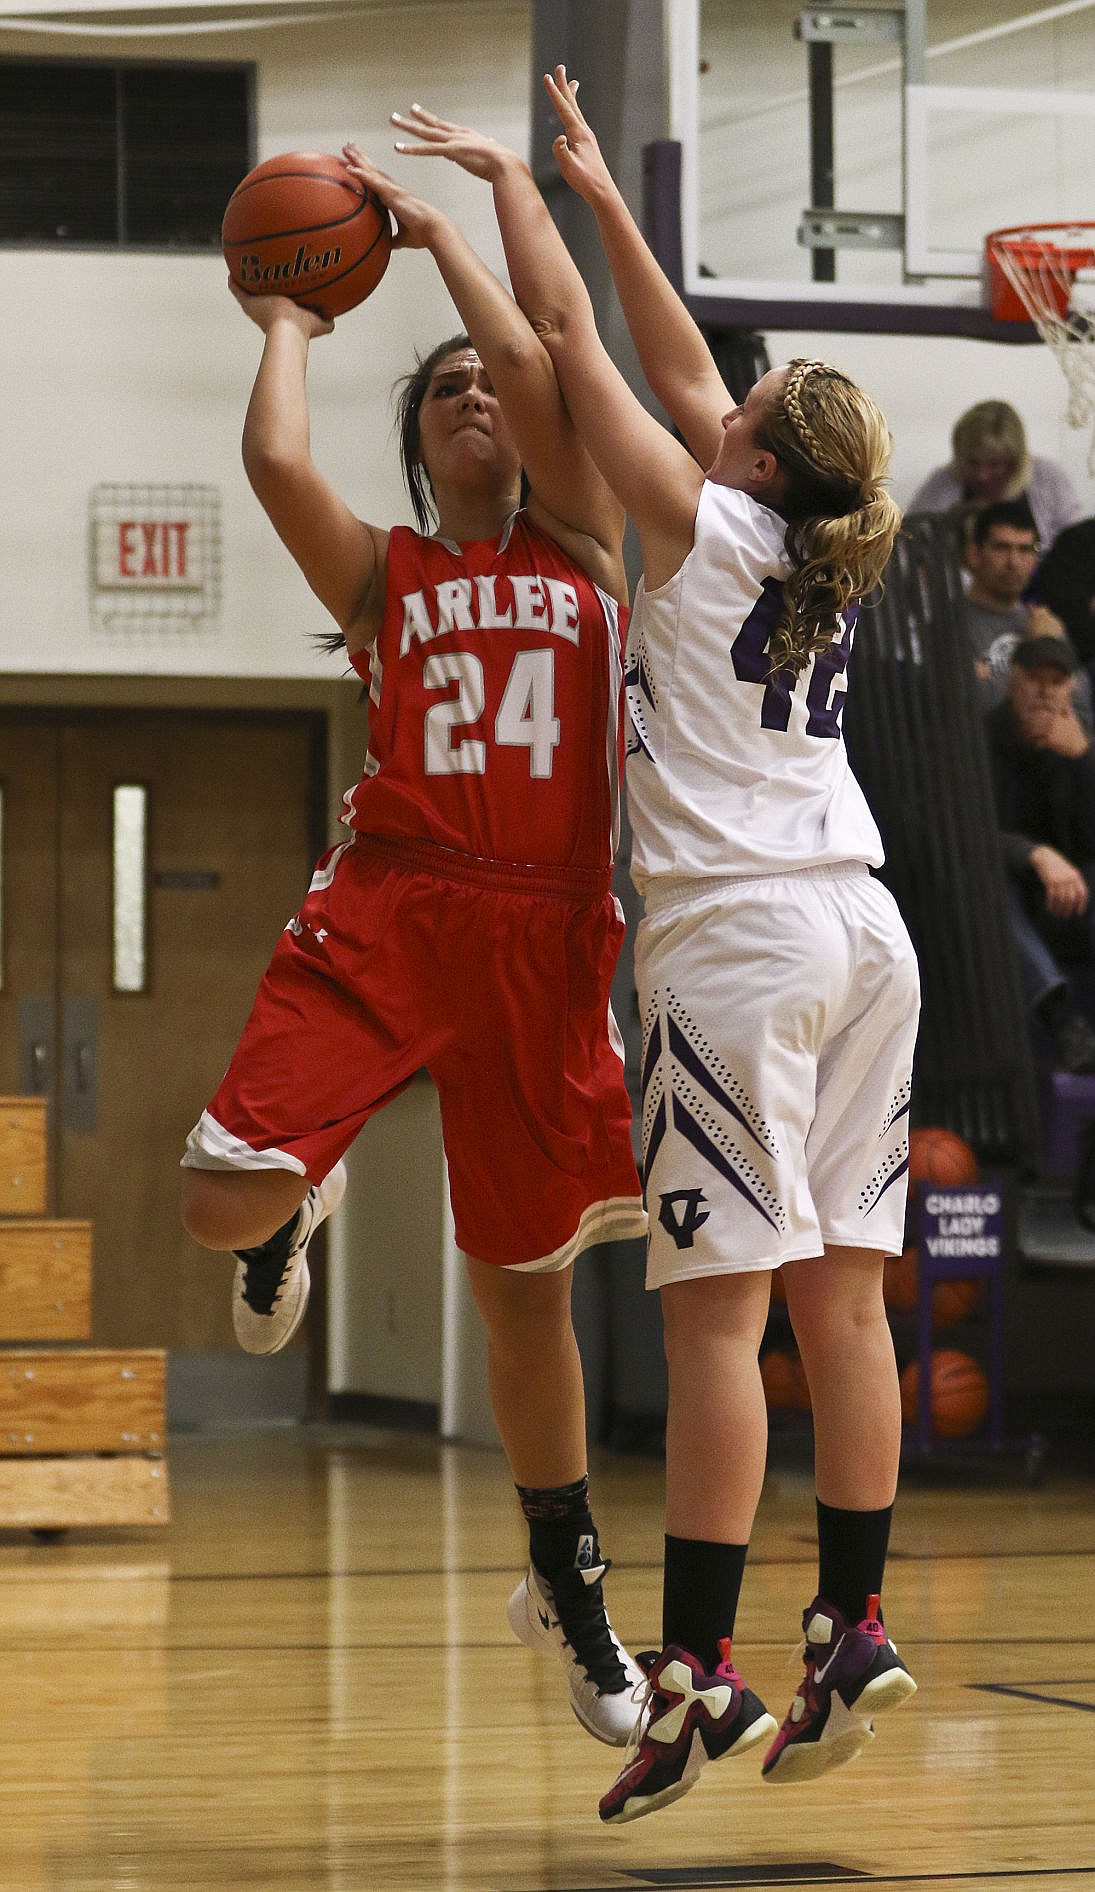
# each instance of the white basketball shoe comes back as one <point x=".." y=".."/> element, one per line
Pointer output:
<point x="271" y="1285"/>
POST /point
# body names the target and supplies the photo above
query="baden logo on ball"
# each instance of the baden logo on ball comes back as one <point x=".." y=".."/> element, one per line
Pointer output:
<point x="299" y="225"/>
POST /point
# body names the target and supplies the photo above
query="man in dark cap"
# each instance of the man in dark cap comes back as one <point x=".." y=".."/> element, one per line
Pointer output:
<point x="1043" y="772"/>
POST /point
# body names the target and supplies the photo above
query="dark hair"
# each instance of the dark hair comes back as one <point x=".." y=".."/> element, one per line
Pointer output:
<point x="1003" y="512"/>
<point x="411" y="392"/>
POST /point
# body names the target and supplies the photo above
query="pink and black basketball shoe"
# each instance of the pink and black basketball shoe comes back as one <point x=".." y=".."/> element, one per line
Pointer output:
<point x="688" y="1718"/>
<point x="851" y="1675"/>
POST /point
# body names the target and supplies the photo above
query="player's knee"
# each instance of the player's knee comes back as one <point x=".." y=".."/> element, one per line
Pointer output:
<point x="198" y="1209"/>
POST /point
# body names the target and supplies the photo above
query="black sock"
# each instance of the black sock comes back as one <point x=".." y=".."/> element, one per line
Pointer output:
<point x="851" y="1549"/>
<point x="561" y="1531"/>
<point x="700" y="1595"/>
<point x="276" y="1246"/>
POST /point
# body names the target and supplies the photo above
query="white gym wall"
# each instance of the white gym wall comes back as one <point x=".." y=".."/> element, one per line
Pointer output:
<point x="131" y="368"/>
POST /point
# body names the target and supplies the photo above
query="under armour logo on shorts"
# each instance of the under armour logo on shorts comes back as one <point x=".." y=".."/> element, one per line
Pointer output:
<point x="681" y="1215"/>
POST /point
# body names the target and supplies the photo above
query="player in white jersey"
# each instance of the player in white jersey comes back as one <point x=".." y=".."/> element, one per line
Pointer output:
<point x="777" y="983"/>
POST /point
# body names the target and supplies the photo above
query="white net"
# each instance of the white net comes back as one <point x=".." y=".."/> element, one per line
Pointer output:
<point x="1050" y="271"/>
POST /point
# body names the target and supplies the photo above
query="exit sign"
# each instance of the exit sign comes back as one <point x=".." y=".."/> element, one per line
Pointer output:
<point x="155" y="557"/>
<point x="151" y="549"/>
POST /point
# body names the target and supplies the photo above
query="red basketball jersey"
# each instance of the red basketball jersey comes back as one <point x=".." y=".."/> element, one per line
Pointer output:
<point x="494" y="685"/>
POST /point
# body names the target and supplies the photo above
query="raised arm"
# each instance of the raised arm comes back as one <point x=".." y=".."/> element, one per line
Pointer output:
<point x="675" y="359"/>
<point x="341" y="557"/>
<point x="569" y="498"/>
<point x="650" y="472"/>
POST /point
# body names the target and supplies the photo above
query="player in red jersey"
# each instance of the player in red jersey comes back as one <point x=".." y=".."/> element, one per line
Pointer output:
<point x="468" y="925"/>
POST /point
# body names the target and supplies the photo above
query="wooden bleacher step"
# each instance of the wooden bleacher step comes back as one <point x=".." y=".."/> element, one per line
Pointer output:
<point x="87" y="1399"/>
<point x="82" y="1429"/>
<point x="59" y="1494"/>
<point x="81" y="1437"/>
<point x="22" y="1155"/>
<point x="45" y="1280"/>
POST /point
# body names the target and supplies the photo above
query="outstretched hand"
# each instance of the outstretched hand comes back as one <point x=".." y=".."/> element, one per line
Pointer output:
<point x="415" y="219"/>
<point x="472" y="150"/>
<point x="576" y="150"/>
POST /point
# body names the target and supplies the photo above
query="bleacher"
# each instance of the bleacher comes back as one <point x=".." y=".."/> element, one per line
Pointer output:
<point x="914" y="729"/>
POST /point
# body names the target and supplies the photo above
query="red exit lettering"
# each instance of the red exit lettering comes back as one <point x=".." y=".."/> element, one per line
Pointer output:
<point x="152" y="548"/>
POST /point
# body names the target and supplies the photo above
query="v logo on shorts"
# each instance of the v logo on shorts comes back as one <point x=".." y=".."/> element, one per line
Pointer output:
<point x="681" y="1214"/>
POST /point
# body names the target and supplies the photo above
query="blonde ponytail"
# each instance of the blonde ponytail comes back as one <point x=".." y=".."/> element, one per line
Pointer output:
<point x="834" y="447"/>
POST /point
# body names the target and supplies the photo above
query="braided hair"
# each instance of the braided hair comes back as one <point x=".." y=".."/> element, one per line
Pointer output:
<point x="833" y="447"/>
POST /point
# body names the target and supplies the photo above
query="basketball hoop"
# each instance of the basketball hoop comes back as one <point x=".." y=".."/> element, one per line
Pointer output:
<point x="1045" y="273"/>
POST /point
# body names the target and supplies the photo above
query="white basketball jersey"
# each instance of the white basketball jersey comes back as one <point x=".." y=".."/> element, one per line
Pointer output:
<point x="731" y="770"/>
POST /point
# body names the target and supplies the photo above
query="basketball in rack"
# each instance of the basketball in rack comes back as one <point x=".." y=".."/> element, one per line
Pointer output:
<point x="1045" y="273"/>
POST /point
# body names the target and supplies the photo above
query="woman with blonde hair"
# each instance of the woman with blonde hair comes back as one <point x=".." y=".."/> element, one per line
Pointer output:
<point x="777" y="984"/>
<point x="990" y="460"/>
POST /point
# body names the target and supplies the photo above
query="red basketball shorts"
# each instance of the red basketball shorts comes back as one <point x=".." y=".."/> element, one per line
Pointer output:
<point x="496" y="981"/>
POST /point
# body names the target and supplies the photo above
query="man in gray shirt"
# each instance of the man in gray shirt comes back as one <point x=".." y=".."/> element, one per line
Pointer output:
<point x="1001" y="556"/>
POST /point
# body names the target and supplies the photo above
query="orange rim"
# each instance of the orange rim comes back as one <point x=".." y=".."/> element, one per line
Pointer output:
<point x="1027" y="243"/>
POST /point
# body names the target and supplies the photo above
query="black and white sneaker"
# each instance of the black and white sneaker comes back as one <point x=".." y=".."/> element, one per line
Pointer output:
<point x="271" y="1285"/>
<point x="567" y="1618"/>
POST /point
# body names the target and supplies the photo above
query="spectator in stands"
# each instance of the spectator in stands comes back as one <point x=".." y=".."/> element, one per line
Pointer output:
<point x="1001" y="556"/>
<point x="990" y="461"/>
<point x="1066" y="584"/>
<point x="1043" y="770"/>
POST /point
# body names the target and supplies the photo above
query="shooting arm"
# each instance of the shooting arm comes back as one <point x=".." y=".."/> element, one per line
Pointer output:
<point x="341" y="557"/>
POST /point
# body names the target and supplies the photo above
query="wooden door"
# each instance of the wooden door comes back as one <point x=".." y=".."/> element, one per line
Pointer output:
<point x="233" y="807"/>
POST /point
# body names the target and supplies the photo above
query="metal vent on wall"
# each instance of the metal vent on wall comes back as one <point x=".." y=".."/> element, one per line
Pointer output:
<point x="123" y="154"/>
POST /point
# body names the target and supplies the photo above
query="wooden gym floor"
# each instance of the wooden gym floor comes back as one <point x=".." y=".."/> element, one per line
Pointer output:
<point x="307" y="1682"/>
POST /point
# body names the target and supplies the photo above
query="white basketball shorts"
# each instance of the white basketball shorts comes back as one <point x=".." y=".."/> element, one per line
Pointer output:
<point x="779" y="1021"/>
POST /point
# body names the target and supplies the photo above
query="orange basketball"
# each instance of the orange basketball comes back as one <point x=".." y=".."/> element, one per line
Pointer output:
<point x="955" y="1300"/>
<point x="800" y="1391"/>
<point x="300" y="226"/>
<point x="938" y="1156"/>
<point x="951" y="1300"/>
<point x="959" y="1393"/>
<point x="777" y="1379"/>
<point x="899" y="1281"/>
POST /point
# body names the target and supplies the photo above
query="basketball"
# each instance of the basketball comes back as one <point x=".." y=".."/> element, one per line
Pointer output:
<point x="951" y="1300"/>
<point x="938" y="1156"/>
<point x="959" y="1393"/>
<point x="955" y="1300"/>
<point x="899" y="1281"/>
<point x="777" y="1378"/>
<point x="800" y="1391"/>
<point x="784" y="1382"/>
<point x="300" y="226"/>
